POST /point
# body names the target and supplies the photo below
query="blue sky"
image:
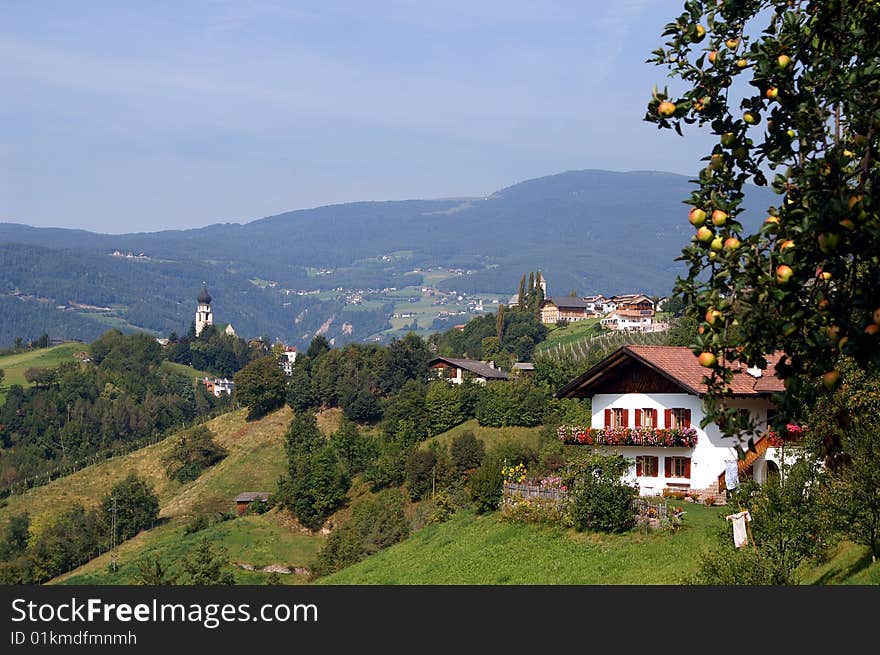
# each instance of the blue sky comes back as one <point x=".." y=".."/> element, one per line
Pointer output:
<point x="139" y="116"/>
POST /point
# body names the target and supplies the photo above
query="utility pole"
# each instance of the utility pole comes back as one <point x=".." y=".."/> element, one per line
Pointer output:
<point x="114" y="556"/>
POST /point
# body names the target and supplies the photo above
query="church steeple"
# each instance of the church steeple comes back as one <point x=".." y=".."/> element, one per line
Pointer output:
<point x="204" y="315"/>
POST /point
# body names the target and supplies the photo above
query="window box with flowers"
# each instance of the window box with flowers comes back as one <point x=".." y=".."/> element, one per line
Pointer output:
<point x="641" y="436"/>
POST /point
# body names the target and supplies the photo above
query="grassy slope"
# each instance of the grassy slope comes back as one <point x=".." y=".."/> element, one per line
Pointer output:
<point x="256" y="459"/>
<point x="569" y="334"/>
<point x="182" y="369"/>
<point x="16" y="365"/>
<point x="471" y="549"/>
<point x="490" y="436"/>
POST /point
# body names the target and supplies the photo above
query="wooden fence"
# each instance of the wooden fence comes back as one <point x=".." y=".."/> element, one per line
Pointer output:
<point x="534" y="491"/>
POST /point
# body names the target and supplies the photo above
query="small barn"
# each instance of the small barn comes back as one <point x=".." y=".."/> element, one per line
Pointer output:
<point x="243" y="500"/>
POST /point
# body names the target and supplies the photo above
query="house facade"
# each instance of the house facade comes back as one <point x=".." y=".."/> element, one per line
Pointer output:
<point x="646" y="405"/>
<point x="563" y="308"/>
<point x="455" y="370"/>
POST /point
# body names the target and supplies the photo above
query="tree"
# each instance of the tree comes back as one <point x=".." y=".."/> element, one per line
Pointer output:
<point x="15" y="538"/>
<point x="467" y="451"/>
<point x="136" y="506"/>
<point x="151" y="572"/>
<point x="362" y="406"/>
<point x="303" y="435"/>
<point x="318" y="347"/>
<point x="443" y="407"/>
<point x="205" y="566"/>
<point x="194" y="452"/>
<point x="486" y="486"/>
<point x="419" y="472"/>
<point x="300" y="396"/>
<point x="316" y="488"/>
<point x="807" y="283"/>
<point x="261" y="386"/>
<point x="844" y="431"/>
<point x="354" y="450"/>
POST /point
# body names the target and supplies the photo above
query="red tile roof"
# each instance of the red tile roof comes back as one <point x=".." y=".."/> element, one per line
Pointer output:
<point x="680" y="365"/>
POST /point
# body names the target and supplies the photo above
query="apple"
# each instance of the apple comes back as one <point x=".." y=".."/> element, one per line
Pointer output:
<point x="713" y="315"/>
<point x="830" y="379"/>
<point x="697" y="217"/>
<point x="704" y="234"/>
<point x="728" y="139"/>
<point x="828" y="242"/>
<point x="849" y="153"/>
<point x="785" y="245"/>
<point x="876" y="316"/>
<point x="717" y="244"/>
<point x="791" y="133"/>
<point x="772" y="219"/>
<point x="707" y="359"/>
<point x="741" y="63"/>
<point x="732" y="43"/>
<point x="719" y="218"/>
<point x="872" y="329"/>
<point x="783" y="61"/>
<point x="698" y="33"/>
<point x="824" y="305"/>
<point x="833" y="332"/>
<point x="666" y="108"/>
<point x="732" y="243"/>
<point x="716" y="161"/>
<point x="853" y="201"/>
<point x="847" y="223"/>
<point x="826" y="275"/>
<point x="751" y="117"/>
<point x="772" y="93"/>
<point x="713" y="56"/>
<point x="783" y="274"/>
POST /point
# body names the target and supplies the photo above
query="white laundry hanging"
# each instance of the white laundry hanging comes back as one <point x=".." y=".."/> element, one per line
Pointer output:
<point x="740" y="529"/>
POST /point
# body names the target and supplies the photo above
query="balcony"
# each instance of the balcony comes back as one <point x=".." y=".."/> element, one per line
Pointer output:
<point x="653" y="437"/>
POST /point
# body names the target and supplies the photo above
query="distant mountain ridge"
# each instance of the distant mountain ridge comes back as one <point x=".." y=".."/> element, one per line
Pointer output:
<point x="588" y="230"/>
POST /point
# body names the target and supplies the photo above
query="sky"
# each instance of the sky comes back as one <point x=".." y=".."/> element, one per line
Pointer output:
<point x="147" y="115"/>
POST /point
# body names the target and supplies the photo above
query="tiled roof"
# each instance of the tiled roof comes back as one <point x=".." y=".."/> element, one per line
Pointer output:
<point x="680" y="365"/>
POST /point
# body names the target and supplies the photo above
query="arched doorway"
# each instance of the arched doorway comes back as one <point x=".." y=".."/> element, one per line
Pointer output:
<point x="772" y="471"/>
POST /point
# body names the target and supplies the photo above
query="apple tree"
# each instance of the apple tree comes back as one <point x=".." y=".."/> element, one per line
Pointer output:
<point x="791" y="91"/>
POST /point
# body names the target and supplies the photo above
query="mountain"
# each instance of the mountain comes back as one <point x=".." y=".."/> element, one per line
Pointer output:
<point x="590" y="231"/>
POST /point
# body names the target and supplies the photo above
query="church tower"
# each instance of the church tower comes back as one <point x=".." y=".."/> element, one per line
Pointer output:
<point x="204" y="315"/>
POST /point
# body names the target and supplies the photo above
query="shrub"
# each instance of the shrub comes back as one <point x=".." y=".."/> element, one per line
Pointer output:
<point x="467" y="451"/>
<point x="532" y="510"/>
<point x="196" y="523"/>
<point x="375" y="523"/>
<point x="600" y="501"/>
<point x="486" y="485"/>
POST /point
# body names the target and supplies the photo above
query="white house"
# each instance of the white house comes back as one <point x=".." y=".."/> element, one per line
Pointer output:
<point x="454" y="370"/>
<point x="632" y="320"/>
<point x="646" y="405"/>
<point x="288" y="357"/>
<point x="219" y="386"/>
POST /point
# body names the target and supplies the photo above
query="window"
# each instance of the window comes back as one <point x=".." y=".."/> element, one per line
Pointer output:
<point x="678" y="418"/>
<point x="649" y="418"/>
<point x="678" y="467"/>
<point x="647" y="466"/>
<point x="616" y="417"/>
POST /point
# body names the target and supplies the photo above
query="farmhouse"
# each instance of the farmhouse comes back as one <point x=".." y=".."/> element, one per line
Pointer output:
<point x="288" y="357"/>
<point x="454" y="370"/>
<point x="646" y="405"/>
<point x="563" y="308"/>
<point x="219" y="386"/>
